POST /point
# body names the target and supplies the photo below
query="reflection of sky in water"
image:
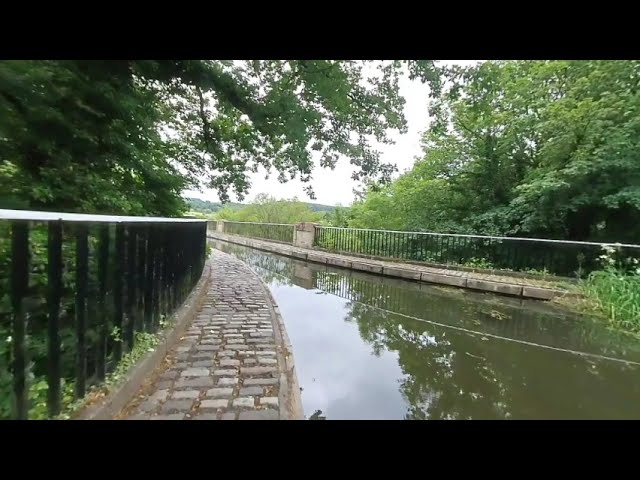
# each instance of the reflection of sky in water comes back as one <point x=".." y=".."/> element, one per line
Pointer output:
<point x="453" y="371"/>
<point x="347" y="381"/>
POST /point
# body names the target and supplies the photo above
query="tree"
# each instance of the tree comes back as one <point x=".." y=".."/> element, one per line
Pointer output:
<point x="338" y="217"/>
<point x="534" y="148"/>
<point x="267" y="209"/>
<point x="586" y="184"/>
<point x="129" y="136"/>
<point x="82" y="136"/>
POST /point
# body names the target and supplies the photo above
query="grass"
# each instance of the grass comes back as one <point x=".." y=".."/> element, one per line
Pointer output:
<point x="611" y="293"/>
<point x="615" y="295"/>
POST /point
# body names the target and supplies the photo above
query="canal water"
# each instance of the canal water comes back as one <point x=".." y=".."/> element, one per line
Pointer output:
<point x="369" y="347"/>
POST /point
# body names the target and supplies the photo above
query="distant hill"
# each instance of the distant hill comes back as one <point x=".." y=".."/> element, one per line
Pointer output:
<point x="206" y="207"/>
<point x="318" y="207"/>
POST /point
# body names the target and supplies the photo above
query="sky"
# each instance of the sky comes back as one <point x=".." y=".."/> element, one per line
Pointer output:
<point x="333" y="187"/>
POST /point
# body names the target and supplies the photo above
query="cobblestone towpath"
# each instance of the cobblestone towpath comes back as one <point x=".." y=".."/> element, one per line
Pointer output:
<point x="230" y="364"/>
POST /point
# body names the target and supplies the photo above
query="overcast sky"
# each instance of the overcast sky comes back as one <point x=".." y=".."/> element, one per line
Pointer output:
<point x="334" y="187"/>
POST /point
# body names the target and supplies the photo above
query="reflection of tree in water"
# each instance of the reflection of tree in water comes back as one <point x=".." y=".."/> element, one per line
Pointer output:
<point x="436" y="382"/>
<point x="436" y="376"/>
<point x="450" y="374"/>
<point x="495" y="315"/>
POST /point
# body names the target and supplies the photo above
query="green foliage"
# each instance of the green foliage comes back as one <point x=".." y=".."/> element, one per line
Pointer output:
<point x="144" y="343"/>
<point x="616" y="295"/>
<point x="38" y="388"/>
<point x="206" y="209"/>
<point x="319" y="207"/>
<point x="478" y="263"/>
<point x="614" y="291"/>
<point x="130" y="135"/>
<point x="534" y="148"/>
<point x="83" y="136"/>
<point x="543" y="274"/>
<point x="338" y="217"/>
<point x="266" y="209"/>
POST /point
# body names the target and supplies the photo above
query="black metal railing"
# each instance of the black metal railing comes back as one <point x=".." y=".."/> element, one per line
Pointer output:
<point x="556" y="257"/>
<point x="278" y="232"/>
<point x="75" y="290"/>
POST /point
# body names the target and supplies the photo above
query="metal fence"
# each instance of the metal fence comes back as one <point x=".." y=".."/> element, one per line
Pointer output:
<point x="278" y="232"/>
<point x="74" y="291"/>
<point x="557" y="257"/>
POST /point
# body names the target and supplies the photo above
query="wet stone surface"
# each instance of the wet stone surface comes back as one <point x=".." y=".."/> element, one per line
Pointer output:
<point x="225" y="365"/>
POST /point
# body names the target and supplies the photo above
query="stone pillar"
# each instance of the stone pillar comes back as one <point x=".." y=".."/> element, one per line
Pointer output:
<point x="303" y="235"/>
<point x="211" y="226"/>
<point x="220" y="226"/>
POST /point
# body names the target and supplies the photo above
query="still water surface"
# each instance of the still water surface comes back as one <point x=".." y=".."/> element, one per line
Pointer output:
<point x="368" y="347"/>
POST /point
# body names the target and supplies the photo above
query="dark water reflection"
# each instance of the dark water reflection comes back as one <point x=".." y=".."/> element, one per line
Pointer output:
<point x="368" y="347"/>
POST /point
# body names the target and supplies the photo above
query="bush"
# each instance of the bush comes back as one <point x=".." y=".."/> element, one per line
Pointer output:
<point x="614" y="291"/>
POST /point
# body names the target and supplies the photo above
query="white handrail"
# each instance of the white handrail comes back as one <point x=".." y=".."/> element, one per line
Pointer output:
<point x="37" y="216"/>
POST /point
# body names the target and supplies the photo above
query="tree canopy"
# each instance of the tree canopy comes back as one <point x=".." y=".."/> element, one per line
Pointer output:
<point x="533" y="148"/>
<point x="267" y="209"/>
<point x="130" y="136"/>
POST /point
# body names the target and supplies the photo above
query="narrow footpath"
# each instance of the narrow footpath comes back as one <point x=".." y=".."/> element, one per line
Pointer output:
<point x="233" y="363"/>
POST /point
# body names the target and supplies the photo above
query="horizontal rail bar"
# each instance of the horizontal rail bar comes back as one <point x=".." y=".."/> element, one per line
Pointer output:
<point x="461" y="235"/>
<point x="81" y="217"/>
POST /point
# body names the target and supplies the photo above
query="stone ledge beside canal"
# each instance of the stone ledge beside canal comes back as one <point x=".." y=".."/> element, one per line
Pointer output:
<point x="499" y="284"/>
<point x="289" y="391"/>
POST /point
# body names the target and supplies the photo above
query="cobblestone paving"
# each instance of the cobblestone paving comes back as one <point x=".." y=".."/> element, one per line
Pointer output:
<point x="225" y="366"/>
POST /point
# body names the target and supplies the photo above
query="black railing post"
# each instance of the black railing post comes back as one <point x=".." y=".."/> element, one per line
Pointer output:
<point x="102" y="315"/>
<point x="148" y="280"/>
<point x="171" y="277"/>
<point x="141" y="272"/>
<point x="118" y="277"/>
<point x="19" y="288"/>
<point x="203" y="249"/>
<point x="132" y="287"/>
<point x="82" y="278"/>
<point x="176" y="254"/>
<point x="156" y="233"/>
<point x="164" y="271"/>
<point x="179" y="261"/>
<point x="193" y="252"/>
<point x="163" y="233"/>
<point x="54" y="287"/>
